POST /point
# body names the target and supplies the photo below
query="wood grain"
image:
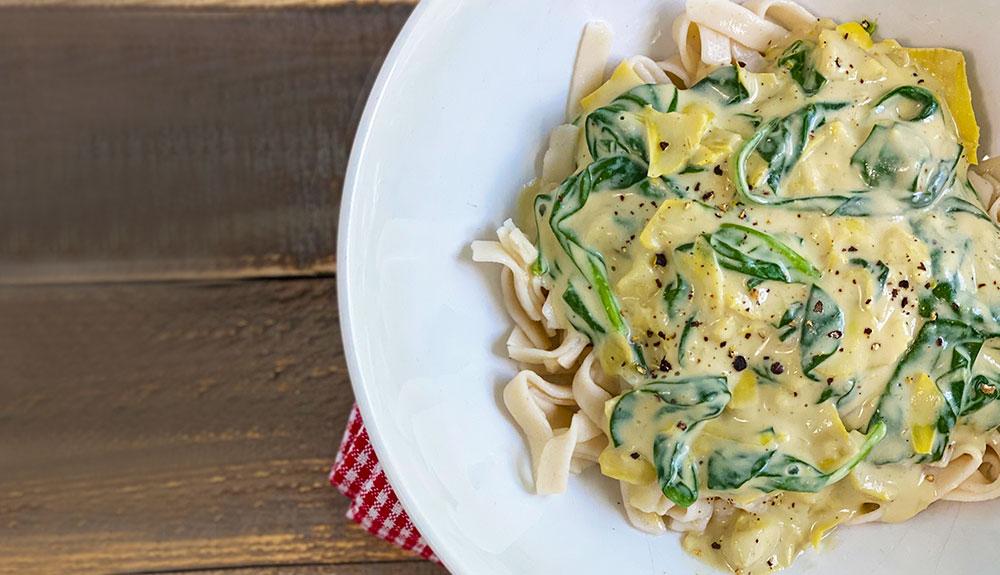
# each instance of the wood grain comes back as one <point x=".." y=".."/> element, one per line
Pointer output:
<point x="370" y="568"/>
<point x="185" y="426"/>
<point x="174" y="426"/>
<point x="179" y="142"/>
<point x="196" y="4"/>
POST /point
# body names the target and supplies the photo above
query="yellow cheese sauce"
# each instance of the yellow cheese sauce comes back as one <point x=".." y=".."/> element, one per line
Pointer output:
<point x="794" y="281"/>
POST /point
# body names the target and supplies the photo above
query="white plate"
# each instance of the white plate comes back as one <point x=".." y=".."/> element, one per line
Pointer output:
<point x="452" y="130"/>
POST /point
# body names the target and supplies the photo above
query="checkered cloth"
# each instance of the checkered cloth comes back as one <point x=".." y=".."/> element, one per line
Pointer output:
<point x="357" y="474"/>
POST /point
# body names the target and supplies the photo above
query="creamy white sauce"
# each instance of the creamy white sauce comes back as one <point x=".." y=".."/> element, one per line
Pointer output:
<point x="876" y="267"/>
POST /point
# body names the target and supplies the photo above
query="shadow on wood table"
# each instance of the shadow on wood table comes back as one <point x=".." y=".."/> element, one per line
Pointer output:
<point x="174" y="385"/>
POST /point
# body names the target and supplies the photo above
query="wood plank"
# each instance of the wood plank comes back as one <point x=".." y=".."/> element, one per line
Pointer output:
<point x="268" y="4"/>
<point x="375" y="568"/>
<point x="173" y="426"/>
<point x="179" y="142"/>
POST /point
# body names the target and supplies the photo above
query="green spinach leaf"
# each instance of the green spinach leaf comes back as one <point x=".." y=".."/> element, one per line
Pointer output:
<point x="879" y="270"/>
<point x="682" y="341"/>
<point x="753" y="119"/>
<point x="822" y="330"/>
<point x="590" y="325"/>
<point x="895" y="156"/>
<point x="757" y="254"/>
<point x="618" y="128"/>
<point x="980" y="408"/>
<point x="838" y="392"/>
<point x="723" y="84"/>
<point x="607" y="174"/>
<point x="945" y="351"/>
<point x="879" y="162"/>
<point x="542" y="204"/>
<point x="926" y="103"/>
<point x="676" y="295"/>
<point x="798" y="59"/>
<point x="934" y="179"/>
<point x="780" y="143"/>
<point x="675" y="410"/>
<point x="736" y="465"/>
<point x="957" y="205"/>
<point x="790" y="320"/>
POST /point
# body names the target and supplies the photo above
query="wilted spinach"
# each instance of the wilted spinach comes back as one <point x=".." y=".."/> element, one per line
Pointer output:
<point x="798" y="59"/>
<point x="738" y="465"/>
<point x="618" y="128"/>
<point x="822" y="330"/>
<point x="757" y="254"/>
<point x="677" y="408"/>
<point x="945" y="351"/>
<point x="780" y="143"/>
<point x="723" y="84"/>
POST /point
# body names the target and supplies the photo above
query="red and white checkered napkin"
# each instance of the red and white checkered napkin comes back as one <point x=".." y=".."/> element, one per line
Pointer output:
<point x="358" y="475"/>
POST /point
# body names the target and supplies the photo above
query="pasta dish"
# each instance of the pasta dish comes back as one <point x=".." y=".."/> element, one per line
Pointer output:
<point x="756" y="283"/>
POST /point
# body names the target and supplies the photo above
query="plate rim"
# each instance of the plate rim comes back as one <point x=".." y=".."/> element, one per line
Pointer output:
<point x="423" y="17"/>
<point x="402" y="46"/>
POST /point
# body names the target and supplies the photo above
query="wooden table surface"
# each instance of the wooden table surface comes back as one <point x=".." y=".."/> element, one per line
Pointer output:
<point x="173" y="386"/>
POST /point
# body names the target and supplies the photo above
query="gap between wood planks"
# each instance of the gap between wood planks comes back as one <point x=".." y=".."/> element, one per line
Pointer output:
<point x="164" y="427"/>
<point x="51" y="277"/>
<point x="158" y="416"/>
